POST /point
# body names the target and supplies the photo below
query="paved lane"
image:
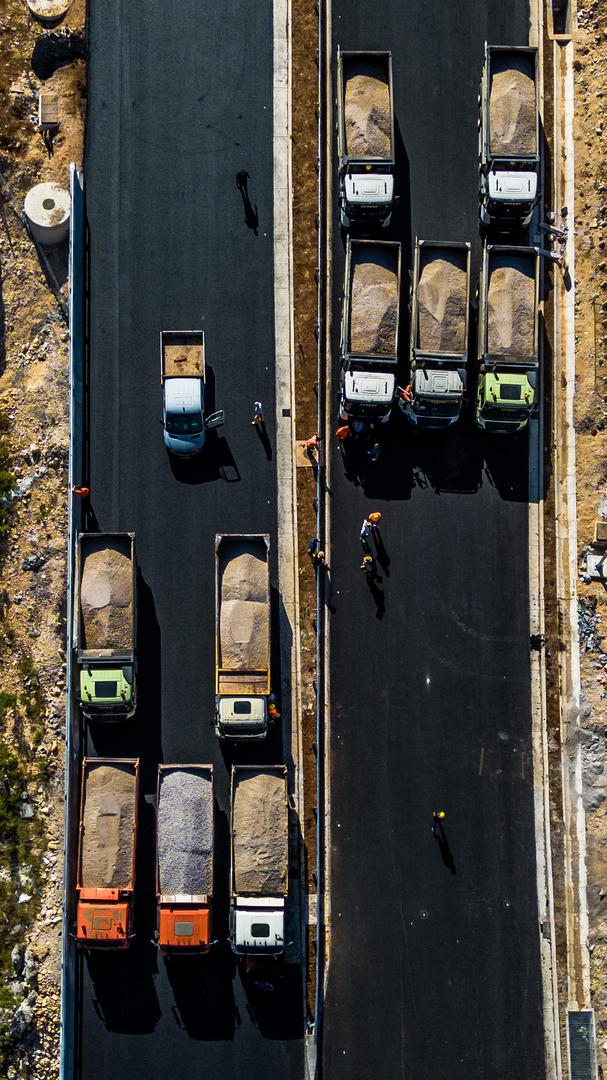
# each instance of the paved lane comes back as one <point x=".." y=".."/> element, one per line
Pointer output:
<point x="435" y="963"/>
<point x="177" y="108"/>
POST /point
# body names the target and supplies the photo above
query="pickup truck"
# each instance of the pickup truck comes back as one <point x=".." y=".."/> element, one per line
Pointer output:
<point x="182" y="374"/>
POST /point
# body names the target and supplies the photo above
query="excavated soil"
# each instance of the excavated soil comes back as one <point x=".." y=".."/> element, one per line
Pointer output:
<point x="185" y="831"/>
<point x="183" y="360"/>
<point x="109" y="819"/>
<point x="260" y="830"/>
<point x="511" y="316"/>
<point x="374" y="310"/>
<point x="512" y="119"/>
<point x="245" y="614"/>
<point x="106" y="595"/>
<point x="367" y="112"/>
<point x="442" y="302"/>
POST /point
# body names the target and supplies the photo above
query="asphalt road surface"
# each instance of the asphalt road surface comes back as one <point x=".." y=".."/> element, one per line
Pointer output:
<point x="176" y="109"/>
<point x="435" y="952"/>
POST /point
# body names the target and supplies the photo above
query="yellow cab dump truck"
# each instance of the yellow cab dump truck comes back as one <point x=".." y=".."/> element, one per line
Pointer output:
<point x="242" y="635"/>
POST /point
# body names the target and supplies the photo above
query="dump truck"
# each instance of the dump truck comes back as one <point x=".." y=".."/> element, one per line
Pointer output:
<point x="509" y="137"/>
<point x="184" y="858"/>
<point x="508" y="337"/>
<point x="259" y="859"/>
<point x="182" y="375"/>
<point x="104" y="631"/>
<point x="242" y="635"/>
<point x="438" y="344"/>
<point x="365" y="139"/>
<point x="369" y="330"/>
<point x="105" y="881"/>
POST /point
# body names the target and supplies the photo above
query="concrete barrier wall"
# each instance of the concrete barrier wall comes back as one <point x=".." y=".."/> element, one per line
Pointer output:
<point x="73" y="727"/>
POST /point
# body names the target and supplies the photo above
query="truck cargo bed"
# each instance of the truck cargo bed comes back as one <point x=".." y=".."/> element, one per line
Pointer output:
<point x="105" y="595"/>
<point x="182" y="354"/>
<point x="441" y="298"/>
<point x="243" y="617"/>
<point x="260" y="847"/>
<point x="185" y="831"/>
<point x="372" y="298"/>
<point x="108" y="823"/>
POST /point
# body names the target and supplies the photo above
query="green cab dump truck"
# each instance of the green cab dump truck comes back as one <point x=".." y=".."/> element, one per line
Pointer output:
<point x="438" y="346"/>
<point x="508" y="338"/>
<point x="105" y="624"/>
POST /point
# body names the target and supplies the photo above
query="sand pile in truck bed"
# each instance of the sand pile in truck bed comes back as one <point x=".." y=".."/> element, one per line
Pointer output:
<point x="259" y="825"/>
<point x="367" y="112"/>
<point x="512" y="119"/>
<point x="374" y="309"/>
<point x="245" y="614"/>
<point x="511" y="314"/>
<point x="185" y="831"/>
<point x="109" y="817"/>
<point x="442" y="301"/>
<point x="106" y="597"/>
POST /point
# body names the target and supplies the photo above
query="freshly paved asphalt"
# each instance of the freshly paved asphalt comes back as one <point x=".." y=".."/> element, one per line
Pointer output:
<point x="434" y="956"/>
<point x="180" y="100"/>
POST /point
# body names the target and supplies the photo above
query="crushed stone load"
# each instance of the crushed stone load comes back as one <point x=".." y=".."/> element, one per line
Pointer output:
<point x="185" y="831"/>
<point x="511" y="307"/>
<point x="245" y="612"/>
<point x="374" y="308"/>
<point x="512" y="119"/>
<point x="109" y="819"/>
<point x="183" y="361"/>
<point x="259" y="826"/>
<point x="367" y="111"/>
<point x="106" y="596"/>
<point x="442" y="300"/>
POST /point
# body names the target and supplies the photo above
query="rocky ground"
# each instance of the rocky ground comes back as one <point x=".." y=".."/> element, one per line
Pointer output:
<point x="591" y="451"/>
<point x="33" y="525"/>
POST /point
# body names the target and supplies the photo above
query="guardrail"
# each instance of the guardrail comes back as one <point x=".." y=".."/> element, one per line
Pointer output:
<point x="76" y="475"/>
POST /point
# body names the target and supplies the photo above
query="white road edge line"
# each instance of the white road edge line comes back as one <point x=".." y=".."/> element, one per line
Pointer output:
<point x="285" y="424"/>
<point x="539" y="734"/>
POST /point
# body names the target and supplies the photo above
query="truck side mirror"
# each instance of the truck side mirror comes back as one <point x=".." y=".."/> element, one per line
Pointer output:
<point x="215" y="420"/>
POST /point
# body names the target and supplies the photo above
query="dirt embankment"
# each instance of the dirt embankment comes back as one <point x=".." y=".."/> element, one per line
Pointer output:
<point x="590" y="405"/>
<point x="33" y="409"/>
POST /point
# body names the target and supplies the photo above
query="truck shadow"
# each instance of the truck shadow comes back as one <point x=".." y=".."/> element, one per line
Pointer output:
<point x="449" y="461"/>
<point x="279" y="1013"/>
<point x="215" y="461"/>
<point x="203" y="992"/>
<point x="123" y="992"/>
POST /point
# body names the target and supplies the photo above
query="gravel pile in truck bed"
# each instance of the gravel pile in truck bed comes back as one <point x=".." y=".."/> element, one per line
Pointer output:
<point x="185" y="832"/>
<point x="109" y="817"/>
<point x="367" y="111"/>
<point x="245" y="614"/>
<point x="106" y="597"/>
<point x="374" y="308"/>
<point x="512" y="119"/>
<point x="441" y="297"/>
<point x="259" y="826"/>
<point x="511" y="302"/>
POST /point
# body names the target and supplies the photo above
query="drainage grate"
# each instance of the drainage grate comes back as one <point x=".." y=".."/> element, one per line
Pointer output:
<point x="582" y="1062"/>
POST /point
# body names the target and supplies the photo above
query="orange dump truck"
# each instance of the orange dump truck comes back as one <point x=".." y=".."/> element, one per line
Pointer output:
<point x="184" y="857"/>
<point x="106" y="852"/>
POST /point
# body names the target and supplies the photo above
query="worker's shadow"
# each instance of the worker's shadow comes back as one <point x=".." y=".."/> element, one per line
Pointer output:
<point x="264" y="438"/>
<point x="378" y="596"/>
<point x="382" y="555"/>
<point x="445" y="850"/>
<point x="251" y="217"/>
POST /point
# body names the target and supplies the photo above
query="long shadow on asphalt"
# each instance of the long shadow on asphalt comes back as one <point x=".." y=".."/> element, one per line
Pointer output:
<point x="203" y="993"/>
<point x="215" y="461"/>
<point x="278" y="1014"/>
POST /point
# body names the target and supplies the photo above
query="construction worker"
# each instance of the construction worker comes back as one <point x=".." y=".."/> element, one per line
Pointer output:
<point x="273" y="712"/>
<point x="343" y="432"/>
<point x="312" y="443"/>
<point x="368" y="565"/>
<point x="83" y="492"/>
<point x="438" y="817"/>
<point x="319" y="558"/>
<point x="374" y="519"/>
<point x="365" y="531"/>
<point x="257" y="414"/>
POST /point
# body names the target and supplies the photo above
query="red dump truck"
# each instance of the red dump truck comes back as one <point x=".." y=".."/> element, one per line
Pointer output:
<point x="184" y="858"/>
<point x="106" y="852"/>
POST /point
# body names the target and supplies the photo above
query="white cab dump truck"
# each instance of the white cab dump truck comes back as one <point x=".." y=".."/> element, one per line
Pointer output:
<point x="104" y="629"/>
<point x="259" y="860"/>
<point x="182" y="374"/>
<point x="369" y="331"/>
<point x="508" y="338"/>
<point x="242" y="635"/>
<point x="438" y="344"/>
<point x="365" y="139"/>
<point x="509" y="137"/>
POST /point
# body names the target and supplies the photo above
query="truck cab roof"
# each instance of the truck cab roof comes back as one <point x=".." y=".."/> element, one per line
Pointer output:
<point x="369" y="387"/>
<point x="183" y="395"/>
<point x="507" y="186"/>
<point x="258" y="930"/>
<point x="366" y="187"/>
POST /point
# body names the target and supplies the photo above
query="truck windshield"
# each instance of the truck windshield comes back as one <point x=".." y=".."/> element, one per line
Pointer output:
<point x="183" y="424"/>
<point x="504" y="412"/>
<point x="435" y="408"/>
